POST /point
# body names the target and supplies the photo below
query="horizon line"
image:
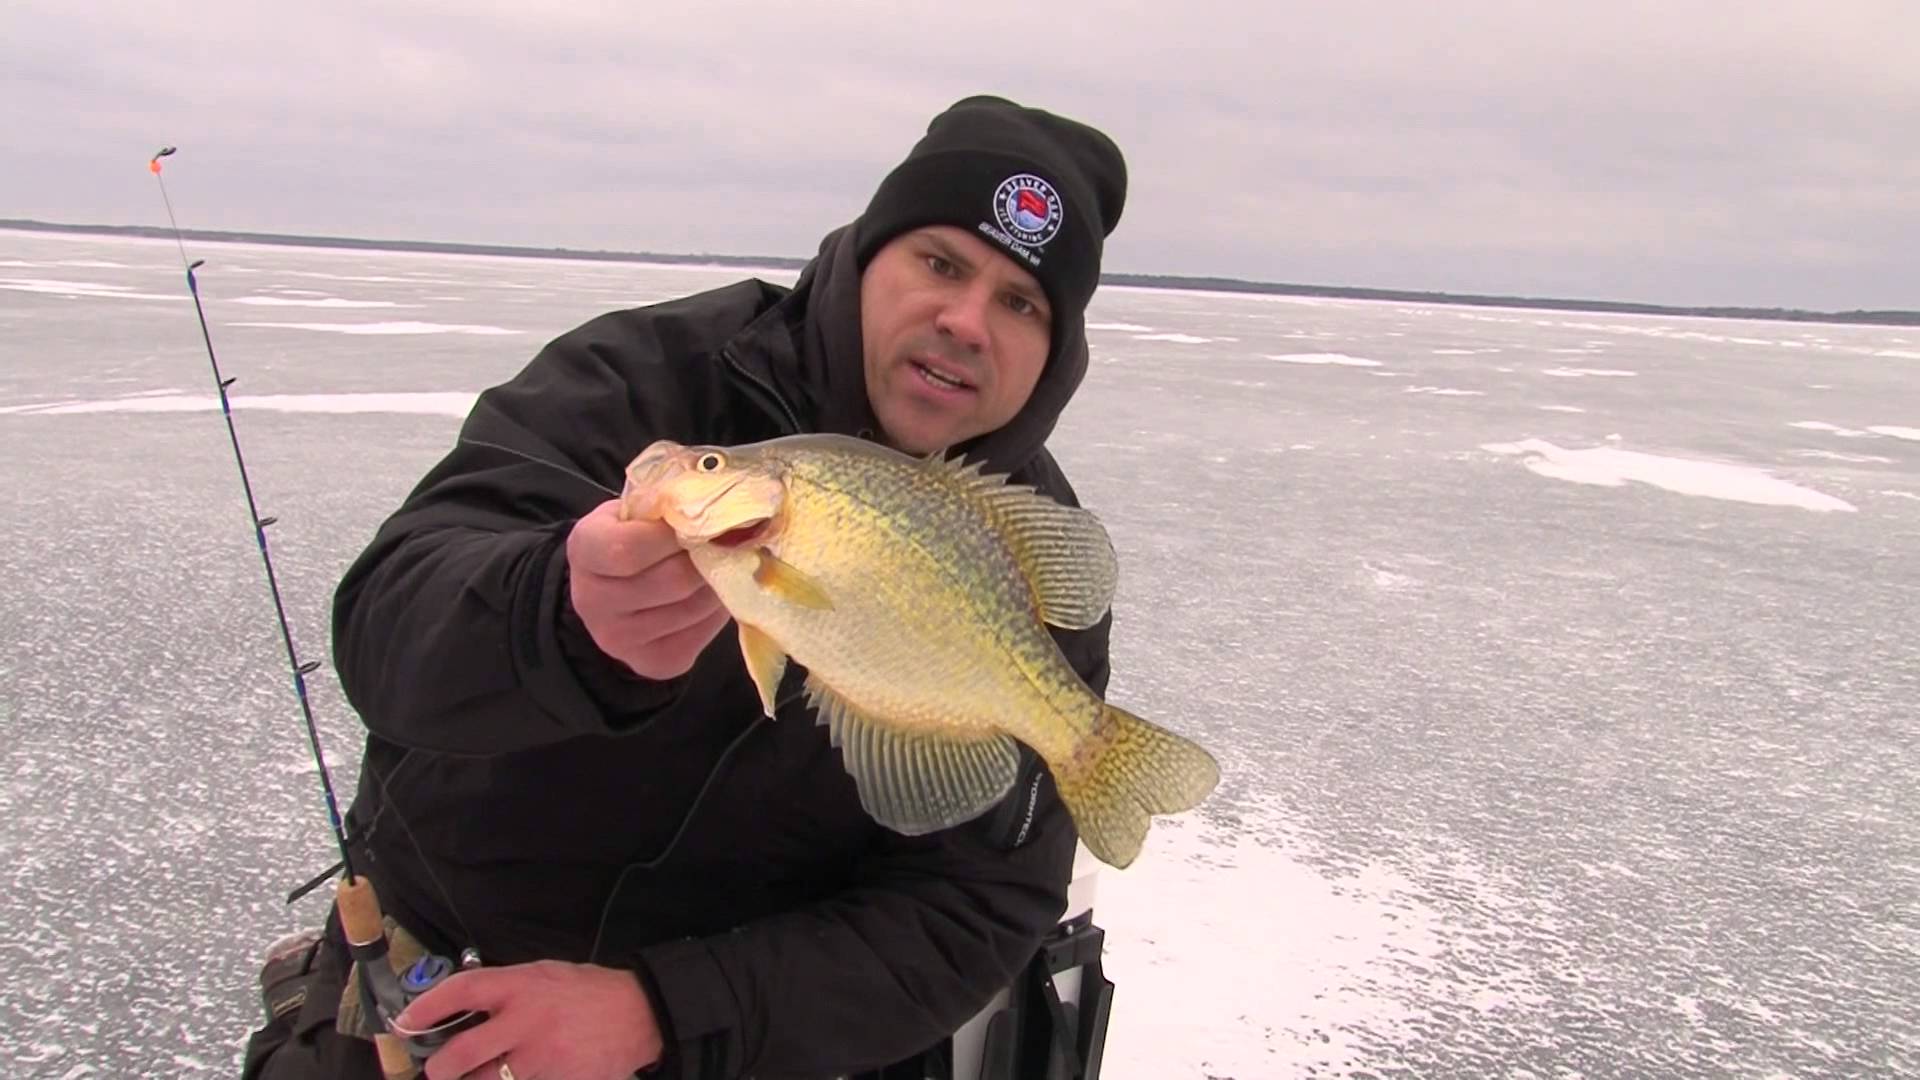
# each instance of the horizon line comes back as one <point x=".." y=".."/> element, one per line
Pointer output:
<point x="1215" y="283"/>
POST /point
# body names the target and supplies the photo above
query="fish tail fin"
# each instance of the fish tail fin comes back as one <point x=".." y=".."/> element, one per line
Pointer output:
<point x="1126" y="771"/>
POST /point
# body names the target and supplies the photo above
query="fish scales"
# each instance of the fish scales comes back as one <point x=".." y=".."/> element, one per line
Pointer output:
<point x="921" y="584"/>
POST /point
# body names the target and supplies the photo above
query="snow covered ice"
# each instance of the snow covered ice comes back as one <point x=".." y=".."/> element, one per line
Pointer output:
<point x="1561" y="665"/>
<point x="1610" y="467"/>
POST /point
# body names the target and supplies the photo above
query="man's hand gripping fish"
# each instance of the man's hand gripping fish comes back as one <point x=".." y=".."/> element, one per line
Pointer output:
<point x="916" y="593"/>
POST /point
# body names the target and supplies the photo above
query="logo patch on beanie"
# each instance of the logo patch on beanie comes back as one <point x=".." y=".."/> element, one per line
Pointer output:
<point x="1028" y="208"/>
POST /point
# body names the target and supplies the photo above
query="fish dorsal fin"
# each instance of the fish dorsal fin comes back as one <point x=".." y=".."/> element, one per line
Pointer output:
<point x="915" y="782"/>
<point x="1064" y="550"/>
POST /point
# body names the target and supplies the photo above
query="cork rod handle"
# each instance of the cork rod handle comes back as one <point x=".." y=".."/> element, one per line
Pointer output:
<point x="360" y="917"/>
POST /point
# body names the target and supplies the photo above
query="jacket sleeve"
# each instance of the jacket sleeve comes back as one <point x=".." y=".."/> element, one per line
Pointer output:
<point x="453" y="631"/>
<point x="929" y="931"/>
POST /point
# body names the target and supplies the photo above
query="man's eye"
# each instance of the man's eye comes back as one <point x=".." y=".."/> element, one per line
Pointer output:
<point x="940" y="266"/>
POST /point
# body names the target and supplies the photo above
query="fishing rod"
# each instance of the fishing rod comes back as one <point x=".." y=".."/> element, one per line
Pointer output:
<point x="384" y="993"/>
<point x="260" y="524"/>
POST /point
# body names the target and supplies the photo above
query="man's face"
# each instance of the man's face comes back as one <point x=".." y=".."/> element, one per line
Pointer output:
<point x="955" y="333"/>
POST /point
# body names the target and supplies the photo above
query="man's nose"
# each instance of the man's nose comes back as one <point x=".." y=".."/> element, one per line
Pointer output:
<point x="964" y="316"/>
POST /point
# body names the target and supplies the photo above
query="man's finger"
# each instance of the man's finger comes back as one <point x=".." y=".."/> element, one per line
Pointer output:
<point x="479" y="990"/>
<point x="668" y="581"/>
<point x="601" y="543"/>
<point x="676" y="652"/>
<point x="472" y="1049"/>
<point x="700" y="609"/>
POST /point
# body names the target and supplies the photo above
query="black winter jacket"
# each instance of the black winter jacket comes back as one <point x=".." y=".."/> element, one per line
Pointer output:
<point x="523" y="793"/>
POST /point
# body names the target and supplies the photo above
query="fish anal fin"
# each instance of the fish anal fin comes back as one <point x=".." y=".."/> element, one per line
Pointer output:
<point x="910" y="781"/>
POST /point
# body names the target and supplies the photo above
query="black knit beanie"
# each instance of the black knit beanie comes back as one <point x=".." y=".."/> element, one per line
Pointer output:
<point x="1042" y="188"/>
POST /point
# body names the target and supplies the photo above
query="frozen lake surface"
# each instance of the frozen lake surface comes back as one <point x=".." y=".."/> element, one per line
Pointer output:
<point x="1563" y="665"/>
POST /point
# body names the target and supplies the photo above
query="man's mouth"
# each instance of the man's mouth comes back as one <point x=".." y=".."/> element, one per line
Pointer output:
<point x="938" y="379"/>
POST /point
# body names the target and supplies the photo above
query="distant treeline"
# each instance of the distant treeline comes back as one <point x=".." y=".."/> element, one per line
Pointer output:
<point x="1890" y="318"/>
<point x="1155" y="281"/>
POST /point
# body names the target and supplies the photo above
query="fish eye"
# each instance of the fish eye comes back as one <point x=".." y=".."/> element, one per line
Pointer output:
<point x="709" y="462"/>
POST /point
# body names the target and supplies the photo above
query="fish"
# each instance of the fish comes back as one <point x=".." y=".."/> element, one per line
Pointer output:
<point x="916" y="592"/>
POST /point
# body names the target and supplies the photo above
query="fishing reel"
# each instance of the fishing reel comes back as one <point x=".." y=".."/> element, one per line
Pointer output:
<point x="384" y="994"/>
<point x="425" y="973"/>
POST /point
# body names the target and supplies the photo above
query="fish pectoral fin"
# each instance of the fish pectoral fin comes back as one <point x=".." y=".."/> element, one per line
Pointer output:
<point x="1063" y="550"/>
<point x="766" y="662"/>
<point x="915" y="782"/>
<point x="785" y="581"/>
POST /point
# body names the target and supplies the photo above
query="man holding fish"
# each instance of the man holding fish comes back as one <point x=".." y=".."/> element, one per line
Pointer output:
<point x="817" y="843"/>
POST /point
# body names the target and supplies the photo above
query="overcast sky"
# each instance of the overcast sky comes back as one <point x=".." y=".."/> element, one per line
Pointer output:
<point x="1743" y="153"/>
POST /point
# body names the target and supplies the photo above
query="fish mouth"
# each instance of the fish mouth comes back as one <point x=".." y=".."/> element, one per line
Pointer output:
<point x="743" y="534"/>
<point x="735" y="535"/>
